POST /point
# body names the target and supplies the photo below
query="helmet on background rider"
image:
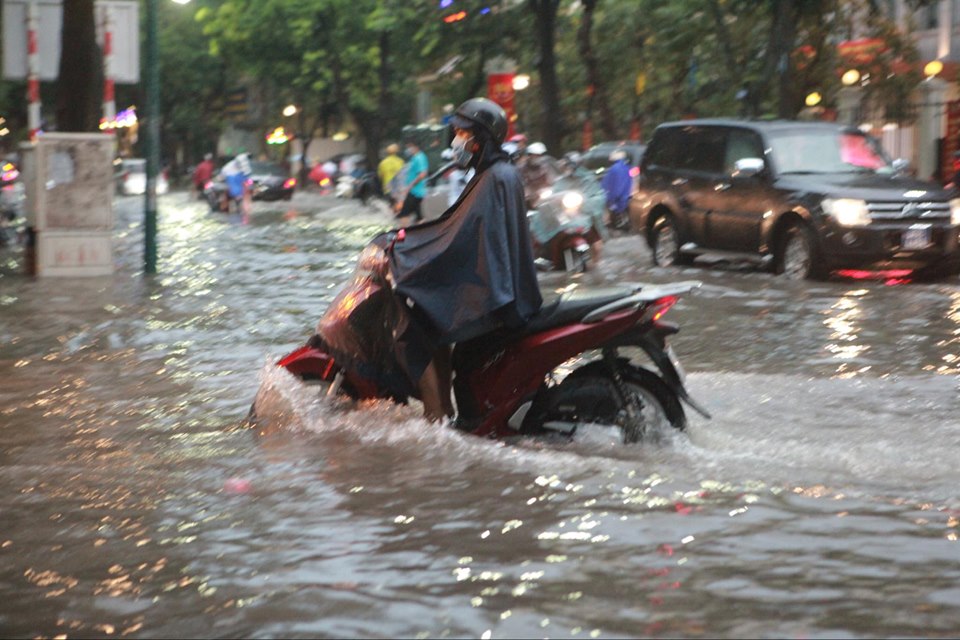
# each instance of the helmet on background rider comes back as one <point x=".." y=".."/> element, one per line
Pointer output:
<point x="484" y="114"/>
<point x="570" y="162"/>
<point x="618" y="154"/>
<point x="537" y="149"/>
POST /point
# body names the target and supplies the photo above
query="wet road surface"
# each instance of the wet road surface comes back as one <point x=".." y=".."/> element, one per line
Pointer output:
<point x="820" y="501"/>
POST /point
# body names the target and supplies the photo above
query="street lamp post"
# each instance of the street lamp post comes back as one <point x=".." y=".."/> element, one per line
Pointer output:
<point x="152" y="140"/>
<point x="152" y="136"/>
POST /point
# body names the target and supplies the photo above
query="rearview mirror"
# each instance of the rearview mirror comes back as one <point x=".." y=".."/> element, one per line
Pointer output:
<point x="747" y="167"/>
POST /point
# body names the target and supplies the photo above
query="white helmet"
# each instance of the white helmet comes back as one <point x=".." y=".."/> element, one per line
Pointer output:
<point x="536" y="148"/>
<point x="618" y="154"/>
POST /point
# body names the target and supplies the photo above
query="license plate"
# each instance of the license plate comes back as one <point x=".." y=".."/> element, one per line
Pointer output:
<point x="676" y="364"/>
<point x="916" y="238"/>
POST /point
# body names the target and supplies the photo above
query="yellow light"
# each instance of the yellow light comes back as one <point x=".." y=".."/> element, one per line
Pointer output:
<point x="813" y="99"/>
<point x="277" y="136"/>
<point x="850" y="77"/>
<point x="340" y="136"/>
<point x="932" y="68"/>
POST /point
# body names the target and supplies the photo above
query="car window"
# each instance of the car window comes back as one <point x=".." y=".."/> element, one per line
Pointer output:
<point x="857" y="150"/>
<point x="741" y="144"/>
<point x="805" y="151"/>
<point x="266" y="168"/>
<point x="665" y="146"/>
<point x="703" y="149"/>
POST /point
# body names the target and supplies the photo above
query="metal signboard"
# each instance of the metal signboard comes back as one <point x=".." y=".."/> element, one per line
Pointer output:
<point x="125" y="19"/>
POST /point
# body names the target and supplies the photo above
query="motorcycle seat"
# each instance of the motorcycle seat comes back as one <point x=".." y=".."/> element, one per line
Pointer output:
<point x="571" y="306"/>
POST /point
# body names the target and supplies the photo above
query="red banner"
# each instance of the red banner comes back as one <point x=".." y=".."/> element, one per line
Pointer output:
<point x="862" y="51"/>
<point x="951" y="143"/>
<point x="500" y="90"/>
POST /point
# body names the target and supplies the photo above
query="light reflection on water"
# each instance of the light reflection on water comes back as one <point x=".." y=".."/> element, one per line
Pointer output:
<point x="136" y="501"/>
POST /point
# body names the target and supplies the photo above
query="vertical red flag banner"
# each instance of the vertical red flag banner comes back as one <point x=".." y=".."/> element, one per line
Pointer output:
<point x="587" y="141"/>
<point x="951" y="143"/>
<point x="500" y="90"/>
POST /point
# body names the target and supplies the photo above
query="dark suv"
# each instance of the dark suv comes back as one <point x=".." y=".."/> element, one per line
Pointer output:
<point x="807" y="198"/>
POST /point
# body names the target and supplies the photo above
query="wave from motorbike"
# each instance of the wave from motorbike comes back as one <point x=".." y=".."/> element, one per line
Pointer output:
<point x="566" y="220"/>
<point x="364" y="186"/>
<point x="573" y="371"/>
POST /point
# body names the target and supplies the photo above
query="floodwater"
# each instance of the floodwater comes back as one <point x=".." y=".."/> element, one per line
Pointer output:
<point x="135" y="500"/>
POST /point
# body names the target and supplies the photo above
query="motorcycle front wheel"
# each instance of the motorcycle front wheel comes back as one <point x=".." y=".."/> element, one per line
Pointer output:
<point x="587" y="406"/>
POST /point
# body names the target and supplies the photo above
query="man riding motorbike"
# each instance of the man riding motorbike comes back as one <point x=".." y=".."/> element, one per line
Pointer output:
<point x="470" y="271"/>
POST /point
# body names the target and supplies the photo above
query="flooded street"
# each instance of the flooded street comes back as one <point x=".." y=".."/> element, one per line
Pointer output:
<point x="820" y="501"/>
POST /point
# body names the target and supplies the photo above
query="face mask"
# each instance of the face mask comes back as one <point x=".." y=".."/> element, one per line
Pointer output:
<point x="408" y="153"/>
<point x="461" y="153"/>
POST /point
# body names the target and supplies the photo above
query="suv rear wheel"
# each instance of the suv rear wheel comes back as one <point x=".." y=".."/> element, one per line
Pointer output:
<point x="798" y="258"/>
<point x="666" y="244"/>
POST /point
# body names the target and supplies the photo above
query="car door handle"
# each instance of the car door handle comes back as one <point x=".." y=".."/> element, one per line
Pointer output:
<point x="722" y="186"/>
<point x="679" y="182"/>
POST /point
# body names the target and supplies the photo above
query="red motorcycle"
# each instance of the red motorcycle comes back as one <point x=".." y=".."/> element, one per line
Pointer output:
<point x="566" y="372"/>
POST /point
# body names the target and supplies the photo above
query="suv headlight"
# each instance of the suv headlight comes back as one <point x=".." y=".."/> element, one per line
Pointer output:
<point x="848" y="212"/>
<point x="955" y="211"/>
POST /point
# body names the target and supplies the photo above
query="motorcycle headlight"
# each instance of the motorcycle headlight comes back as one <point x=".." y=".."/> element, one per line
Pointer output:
<point x="955" y="211"/>
<point x="572" y="200"/>
<point x="848" y="212"/>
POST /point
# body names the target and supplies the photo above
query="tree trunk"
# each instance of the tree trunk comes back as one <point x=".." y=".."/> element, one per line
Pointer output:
<point x="779" y="68"/>
<point x="596" y="87"/>
<point x="80" y="82"/>
<point x="551" y="122"/>
<point x="375" y="134"/>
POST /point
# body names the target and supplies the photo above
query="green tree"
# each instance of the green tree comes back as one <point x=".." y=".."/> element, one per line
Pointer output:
<point x="192" y="84"/>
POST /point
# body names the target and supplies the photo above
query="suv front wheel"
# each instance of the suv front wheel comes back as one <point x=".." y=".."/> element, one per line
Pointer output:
<point x="799" y="258"/>
<point x="666" y="244"/>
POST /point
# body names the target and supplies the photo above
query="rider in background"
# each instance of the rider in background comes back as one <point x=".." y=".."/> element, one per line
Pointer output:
<point x="202" y="173"/>
<point x="536" y="170"/>
<point x="618" y="184"/>
<point x="470" y="271"/>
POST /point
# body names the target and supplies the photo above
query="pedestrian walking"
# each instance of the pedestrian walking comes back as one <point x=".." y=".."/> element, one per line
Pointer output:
<point x="387" y="170"/>
<point x="416" y="187"/>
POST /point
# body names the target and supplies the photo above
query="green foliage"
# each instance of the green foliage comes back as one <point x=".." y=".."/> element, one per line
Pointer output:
<point x="365" y="61"/>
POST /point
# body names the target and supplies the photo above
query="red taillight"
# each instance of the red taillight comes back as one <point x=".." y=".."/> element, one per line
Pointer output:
<point x="634" y="172"/>
<point x="290" y="183"/>
<point x="889" y="276"/>
<point x="658" y="308"/>
<point x="858" y="274"/>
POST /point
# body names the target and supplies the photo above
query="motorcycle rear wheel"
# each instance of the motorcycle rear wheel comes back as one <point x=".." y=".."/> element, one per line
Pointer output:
<point x="586" y="406"/>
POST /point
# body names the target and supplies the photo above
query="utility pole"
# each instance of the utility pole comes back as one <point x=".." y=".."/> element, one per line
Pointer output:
<point x="152" y="141"/>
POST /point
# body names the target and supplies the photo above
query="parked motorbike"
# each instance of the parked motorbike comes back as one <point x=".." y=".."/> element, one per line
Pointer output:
<point x="512" y="382"/>
<point x="567" y="217"/>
